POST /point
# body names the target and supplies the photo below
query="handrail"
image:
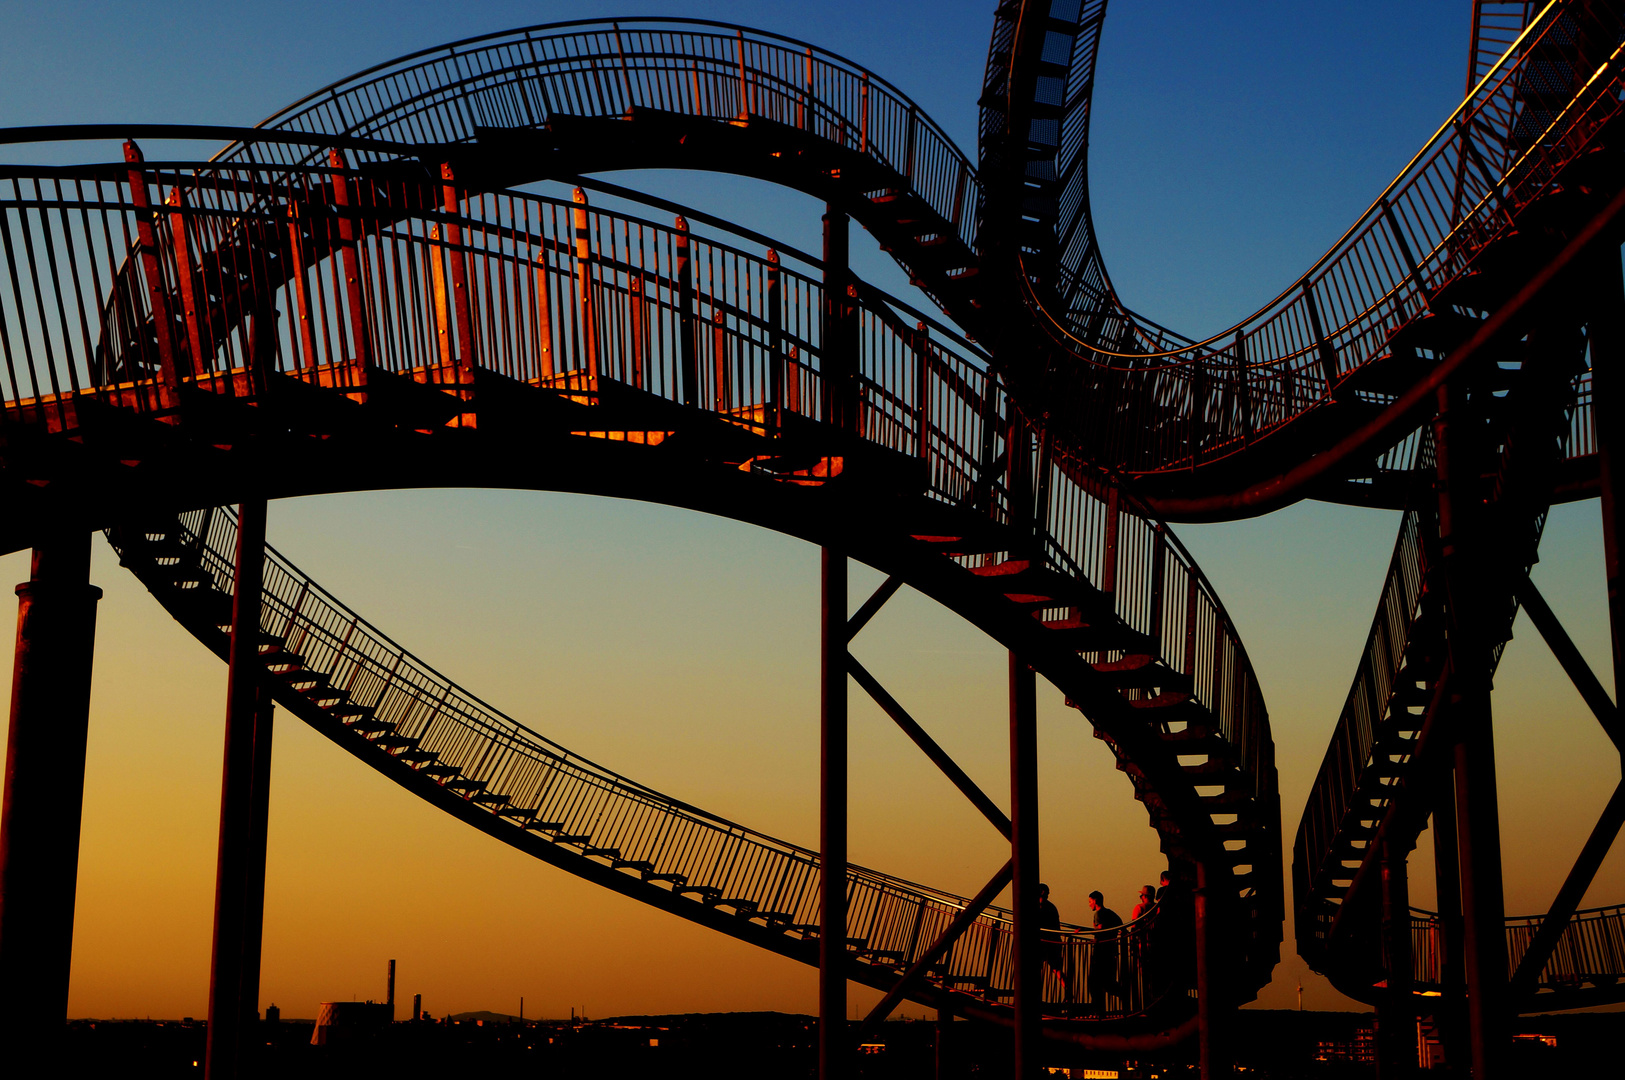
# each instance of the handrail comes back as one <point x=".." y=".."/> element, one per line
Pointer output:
<point x="1591" y="951"/>
<point x="603" y="67"/>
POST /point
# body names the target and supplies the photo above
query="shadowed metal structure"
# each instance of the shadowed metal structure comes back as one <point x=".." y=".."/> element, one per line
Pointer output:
<point x="354" y="295"/>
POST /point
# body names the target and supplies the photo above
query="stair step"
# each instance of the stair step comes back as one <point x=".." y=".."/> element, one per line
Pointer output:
<point x="1141" y="671"/>
<point x="960" y="545"/>
<point x="402" y="742"/>
<point x="1098" y="635"/>
<point x="518" y="813"/>
<point x="546" y="826"/>
<point x="465" y="784"/>
<point x="491" y="798"/>
<point x="369" y="725"/>
<point x="440" y="770"/>
<point x="678" y="879"/>
<point x="569" y="838"/>
<point x="418" y="756"/>
<point x="704" y="892"/>
<point x="603" y="852"/>
<point x="744" y="907"/>
<point x="640" y="865"/>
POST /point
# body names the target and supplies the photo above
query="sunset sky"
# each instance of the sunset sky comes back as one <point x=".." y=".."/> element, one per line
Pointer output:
<point x="1231" y="145"/>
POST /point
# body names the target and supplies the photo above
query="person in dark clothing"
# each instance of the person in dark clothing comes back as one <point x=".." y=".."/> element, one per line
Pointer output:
<point x="1173" y="938"/>
<point x="1049" y="926"/>
<point x="1103" y="978"/>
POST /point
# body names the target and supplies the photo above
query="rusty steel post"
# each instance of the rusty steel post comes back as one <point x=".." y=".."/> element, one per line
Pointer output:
<point x="254" y="892"/>
<point x="1396" y="1020"/>
<point x="1026" y="973"/>
<point x="1447" y="887"/>
<point x="832" y="1048"/>
<point x="840" y="335"/>
<point x="942" y="1053"/>
<point x="1478" y="827"/>
<point x="688" y="366"/>
<point x="1210" y="1001"/>
<point x="44" y="787"/>
<point x="222" y="1053"/>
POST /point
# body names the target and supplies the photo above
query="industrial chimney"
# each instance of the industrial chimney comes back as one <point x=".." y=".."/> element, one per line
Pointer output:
<point x="390" y="999"/>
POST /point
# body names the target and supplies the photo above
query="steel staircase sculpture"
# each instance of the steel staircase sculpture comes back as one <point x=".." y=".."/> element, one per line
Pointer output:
<point x="589" y="365"/>
<point x="354" y="296"/>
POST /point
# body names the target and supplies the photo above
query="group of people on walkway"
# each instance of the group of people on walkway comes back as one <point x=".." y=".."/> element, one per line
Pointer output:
<point x="1110" y="969"/>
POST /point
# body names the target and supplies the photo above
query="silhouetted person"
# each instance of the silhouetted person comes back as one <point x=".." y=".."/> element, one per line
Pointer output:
<point x="1137" y="952"/>
<point x="1103" y="965"/>
<point x="1173" y="938"/>
<point x="1162" y="886"/>
<point x="1049" y="937"/>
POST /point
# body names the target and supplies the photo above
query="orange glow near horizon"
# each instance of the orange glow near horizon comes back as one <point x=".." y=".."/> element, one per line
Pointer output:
<point x="680" y="649"/>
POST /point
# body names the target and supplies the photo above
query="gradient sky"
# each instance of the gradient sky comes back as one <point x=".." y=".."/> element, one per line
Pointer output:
<point x="1231" y="145"/>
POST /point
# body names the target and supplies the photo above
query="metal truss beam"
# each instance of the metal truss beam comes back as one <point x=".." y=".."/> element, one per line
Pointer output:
<point x="939" y="757"/>
<point x="953" y="932"/>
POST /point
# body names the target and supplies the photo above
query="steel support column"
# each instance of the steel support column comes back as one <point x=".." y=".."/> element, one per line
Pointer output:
<point x="832" y="1049"/>
<point x="44" y="788"/>
<point x="942" y="1060"/>
<point x="234" y="867"/>
<point x="1026" y="972"/>
<point x="1211" y="1000"/>
<point x="1396" y="1019"/>
<point x="260" y="819"/>
<point x="1607" y="333"/>
<point x="1478" y="826"/>
<point x="1449" y="1014"/>
<point x="840" y="355"/>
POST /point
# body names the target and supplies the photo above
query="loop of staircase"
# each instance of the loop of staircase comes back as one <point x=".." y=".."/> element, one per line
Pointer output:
<point x="1532" y="145"/>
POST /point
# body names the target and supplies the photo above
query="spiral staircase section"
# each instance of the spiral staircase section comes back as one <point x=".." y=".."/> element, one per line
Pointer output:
<point x="1338" y="365"/>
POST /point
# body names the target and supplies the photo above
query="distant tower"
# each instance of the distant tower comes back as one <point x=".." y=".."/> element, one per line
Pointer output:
<point x="390" y="998"/>
<point x="273" y="1015"/>
<point x="417" y="1006"/>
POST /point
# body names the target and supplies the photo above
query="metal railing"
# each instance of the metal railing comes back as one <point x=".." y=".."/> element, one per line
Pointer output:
<point x="592" y="68"/>
<point x="1345" y="772"/>
<point x="1589" y="952"/>
<point x="1537" y="109"/>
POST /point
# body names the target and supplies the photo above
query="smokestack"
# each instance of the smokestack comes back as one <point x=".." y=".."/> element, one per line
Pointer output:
<point x="417" y="1006"/>
<point x="391" y="998"/>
